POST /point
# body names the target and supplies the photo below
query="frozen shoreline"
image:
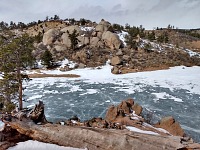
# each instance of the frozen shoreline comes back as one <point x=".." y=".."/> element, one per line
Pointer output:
<point x="174" y="78"/>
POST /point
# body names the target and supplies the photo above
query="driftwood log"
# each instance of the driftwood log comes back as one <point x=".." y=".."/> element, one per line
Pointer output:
<point x="96" y="138"/>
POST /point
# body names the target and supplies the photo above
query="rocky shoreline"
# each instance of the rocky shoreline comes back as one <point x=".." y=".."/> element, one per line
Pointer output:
<point x="95" y="133"/>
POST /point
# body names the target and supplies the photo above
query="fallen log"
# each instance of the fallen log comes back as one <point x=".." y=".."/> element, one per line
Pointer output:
<point x="97" y="138"/>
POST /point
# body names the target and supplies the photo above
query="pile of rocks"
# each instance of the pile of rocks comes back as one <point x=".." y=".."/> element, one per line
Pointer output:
<point x="128" y="113"/>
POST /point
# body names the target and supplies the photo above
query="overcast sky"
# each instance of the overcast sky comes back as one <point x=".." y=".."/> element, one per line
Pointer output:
<point x="149" y="13"/>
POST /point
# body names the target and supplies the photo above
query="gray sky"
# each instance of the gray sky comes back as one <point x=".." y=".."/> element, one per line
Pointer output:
<point x="149" y="13"/>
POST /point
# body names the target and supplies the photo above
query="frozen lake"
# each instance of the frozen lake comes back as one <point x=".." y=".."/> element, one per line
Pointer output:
<point x="173" y="92"/>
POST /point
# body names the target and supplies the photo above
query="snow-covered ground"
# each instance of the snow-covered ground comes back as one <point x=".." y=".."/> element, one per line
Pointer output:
<point x="176" y="77"/>
<point x="33" y="145"/>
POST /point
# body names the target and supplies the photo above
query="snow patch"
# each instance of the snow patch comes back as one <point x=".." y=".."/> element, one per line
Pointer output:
<point x="31" y="145"/>
<point x="122" y="37"/>
<point x="87" y="28"/>
<point x="164" y="95"/>
<point x="134" y="129"/>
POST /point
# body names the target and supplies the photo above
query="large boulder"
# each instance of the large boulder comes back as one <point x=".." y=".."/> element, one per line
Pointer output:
<point x="137" y="108"/>
<point x="103" y="26"/>
<point x="65" y="40"/>
<point x="81" y="56"/>
<point x="172" y="126"/>
<point x="60" y="48"/>
<point x="50" y="36"/>
<point x="70" y="29"/>
<point x="83" y="40"/>
<point x="112" y="113"/>
<point x="94" y="41"/>
<point x="125" y="106"/>
<point x="115" y="61"/>
<point x="111" y="40"/>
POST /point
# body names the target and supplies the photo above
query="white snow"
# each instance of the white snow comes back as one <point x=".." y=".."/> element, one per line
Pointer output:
<point x="32" y="145"/>
<point x="174" y="78"/>
<point x="191" y="53"/>
<point x="179" y="77"/>
<point x="122" y="37"/>
<point x="134" y="129"/>
<point x="159" y="129"/>
<point x="67" y="62"/>
<point x="164" y="95"/>
<point x="87" y="28"/>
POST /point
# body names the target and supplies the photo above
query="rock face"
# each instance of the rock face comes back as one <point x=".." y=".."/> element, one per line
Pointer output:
<point x="65" y="40"/>
<point x="172" y="126"/>
<point x="50" y="36"/>
<point x="111" y="40"/>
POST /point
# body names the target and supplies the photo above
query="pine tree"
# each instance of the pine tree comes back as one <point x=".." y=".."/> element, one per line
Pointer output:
<point x="151" y="36"/>
<point x="73" y="38"/>
<point x="130" y="39"/>
<point x="47" y="59"/>
<point x="15" y="56"/>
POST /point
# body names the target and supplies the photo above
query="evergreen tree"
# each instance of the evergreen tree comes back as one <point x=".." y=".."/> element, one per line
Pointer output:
<point x="47" y="59"/>
<point x="56" y="17"/>
<point x="117" y="27"/>
<point x="15" y="56"/>
<point x="73" y="38"/>
<point x="130" y="39"/>
<point x="83" y="21"/>
<point x="151" y="36"/>
<point x="163" y="38"/>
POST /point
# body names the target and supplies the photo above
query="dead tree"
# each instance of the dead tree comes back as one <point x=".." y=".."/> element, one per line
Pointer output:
<point x="37" y="113"/>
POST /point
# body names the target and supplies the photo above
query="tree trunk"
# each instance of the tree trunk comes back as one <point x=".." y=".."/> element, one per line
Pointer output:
<point x="98" y="139"/>
<point x="20" y="88"/>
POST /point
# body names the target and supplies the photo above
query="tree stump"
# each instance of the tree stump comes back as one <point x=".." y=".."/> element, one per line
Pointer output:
<point x="37" y="113"/>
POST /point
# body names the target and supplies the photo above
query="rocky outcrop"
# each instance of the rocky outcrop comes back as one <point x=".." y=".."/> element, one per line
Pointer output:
<point x="83" y="40"/>
<point x="111" y="40"/>
<point x="93" y="135"/>
<point x="65" y="40"/>
<point x="103" y="26"/>
<point x="172" y="126"/>
<point x="94" y="41"/>
<point x="70" y="29"/>
<point x="50" y="36"/>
